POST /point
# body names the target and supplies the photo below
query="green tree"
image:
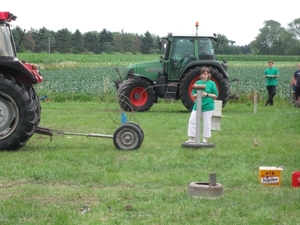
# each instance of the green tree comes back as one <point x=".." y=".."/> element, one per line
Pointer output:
<point x="270" y="39"/>
<point x="18" y="35"/>
<point x="126" y="42"/>
<point x="77" y="42"/>
<point x="29" y="42"/>
<point x="245" y="49"/>
<point x="136" y="43"/>
<point x="104" y="38"/>
<point x="91" y="41"/>
<point x="147" y="43"/>
<point x="294" y="28"/>
<point x="45" y="40"/>
<point x="225" y="46"/>
<point x="294" y="37"/>
<point x="117" y="42"/>
<point x="130" y="43"/>
<point x="108" y="48"/>
<point x="63" y="41"/>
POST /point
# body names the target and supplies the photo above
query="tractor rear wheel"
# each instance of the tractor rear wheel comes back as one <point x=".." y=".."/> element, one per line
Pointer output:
<point x="37" y="104"/>
<point x="136" y="95"/>
<point x="19" y="113"/>
<point x="186" y="86"/>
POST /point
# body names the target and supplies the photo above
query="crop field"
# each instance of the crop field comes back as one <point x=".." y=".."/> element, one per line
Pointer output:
<point x="94" y="82"/>
<point x="69" y="76"/>
<point x="98" y="81"/>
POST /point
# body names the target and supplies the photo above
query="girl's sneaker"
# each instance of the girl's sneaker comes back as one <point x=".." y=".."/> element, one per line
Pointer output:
<point x="190" y="141"/>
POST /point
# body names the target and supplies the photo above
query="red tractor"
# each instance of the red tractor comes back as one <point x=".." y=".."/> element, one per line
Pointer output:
<point x="20" y="108"/>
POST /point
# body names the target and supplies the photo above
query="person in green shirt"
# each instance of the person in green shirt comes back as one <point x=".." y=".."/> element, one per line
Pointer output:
<point x="208" y="105"/>
<point x="271" y="74"/>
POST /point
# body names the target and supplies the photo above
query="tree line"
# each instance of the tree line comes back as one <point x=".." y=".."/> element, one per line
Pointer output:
<point x="272" y="39"/>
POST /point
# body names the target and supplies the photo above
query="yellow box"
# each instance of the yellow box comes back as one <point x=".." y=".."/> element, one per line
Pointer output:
<point x="270" y="175"/>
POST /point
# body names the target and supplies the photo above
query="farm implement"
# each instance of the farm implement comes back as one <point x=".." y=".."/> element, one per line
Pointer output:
<point x="20" y="109"/>
<point x="128" y="136"/>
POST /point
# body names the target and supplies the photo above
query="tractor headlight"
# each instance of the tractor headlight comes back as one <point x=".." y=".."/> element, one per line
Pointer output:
<point x="35" y="67"/>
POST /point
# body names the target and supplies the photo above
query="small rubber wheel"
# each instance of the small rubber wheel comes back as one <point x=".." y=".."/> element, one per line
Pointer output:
<point x="128" y="137"/>
<point x="138" y="126"/>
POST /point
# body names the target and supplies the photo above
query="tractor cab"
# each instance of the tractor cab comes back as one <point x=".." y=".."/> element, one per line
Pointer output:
<point x="7" y="48"/>
<point x="183" y="49"/>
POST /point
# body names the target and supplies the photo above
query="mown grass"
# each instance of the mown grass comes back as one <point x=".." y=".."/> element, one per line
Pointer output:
<point x="48" y="182"/>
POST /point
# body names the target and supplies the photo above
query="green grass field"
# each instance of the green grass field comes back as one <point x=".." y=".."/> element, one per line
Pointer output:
<point x="49" y="182"/>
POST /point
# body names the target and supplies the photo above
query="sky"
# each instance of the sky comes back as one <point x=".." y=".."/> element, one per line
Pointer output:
<point x="239" y="21"/>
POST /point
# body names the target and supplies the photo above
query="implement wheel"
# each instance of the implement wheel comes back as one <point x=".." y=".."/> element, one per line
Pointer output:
<point x="128" y="136"/>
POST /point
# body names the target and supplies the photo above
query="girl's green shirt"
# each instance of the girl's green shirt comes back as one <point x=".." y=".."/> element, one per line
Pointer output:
<point x="208" y="103"/>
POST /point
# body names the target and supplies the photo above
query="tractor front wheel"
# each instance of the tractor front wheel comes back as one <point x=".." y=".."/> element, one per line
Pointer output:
<point x="136" y="95"/>
<point x="19" y="113"/>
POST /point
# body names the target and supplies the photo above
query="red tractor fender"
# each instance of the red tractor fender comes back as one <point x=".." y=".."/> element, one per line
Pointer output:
<point x="26" y="73"/>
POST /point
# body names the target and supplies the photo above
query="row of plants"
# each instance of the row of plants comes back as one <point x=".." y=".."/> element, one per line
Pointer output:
<point x="89" y="77"/>
<point x="124" y="59"/>
<point x="97" y="83"/>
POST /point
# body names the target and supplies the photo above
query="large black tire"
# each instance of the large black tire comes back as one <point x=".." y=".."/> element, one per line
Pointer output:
<point x="37" y="105"/>
<point x="186" y="86"/>
<point x="128" y="137"/>
<point x="19" y="113"/>
<point x="136" y="95"/>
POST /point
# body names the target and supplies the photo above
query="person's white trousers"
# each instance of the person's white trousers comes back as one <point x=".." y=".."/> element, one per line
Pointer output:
<point x="206" y="119"/>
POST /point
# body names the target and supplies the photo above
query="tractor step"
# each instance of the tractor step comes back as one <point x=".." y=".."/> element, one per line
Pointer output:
<point x="171" y="92"/>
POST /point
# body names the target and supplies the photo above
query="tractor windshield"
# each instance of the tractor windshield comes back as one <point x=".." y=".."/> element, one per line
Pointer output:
<point x="6" y="45"/>
<point x="182" y="52"/>
<point x="205" y="46"/>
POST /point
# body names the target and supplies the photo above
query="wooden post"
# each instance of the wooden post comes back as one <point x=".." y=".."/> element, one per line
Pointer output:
<point x="255" y="102"/>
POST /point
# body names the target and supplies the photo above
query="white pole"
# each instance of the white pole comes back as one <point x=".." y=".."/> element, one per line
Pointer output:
<point x="255" y="103"/>
<point x="198" y="116"/>
<point x="198" y="113"/>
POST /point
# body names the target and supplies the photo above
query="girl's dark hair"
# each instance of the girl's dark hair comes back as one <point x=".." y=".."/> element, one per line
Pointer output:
<point x="205" y="69"/>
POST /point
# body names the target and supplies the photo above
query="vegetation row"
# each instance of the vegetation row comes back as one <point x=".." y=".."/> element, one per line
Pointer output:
<point x="49" y="60"/>
<point x="91" y="77"/>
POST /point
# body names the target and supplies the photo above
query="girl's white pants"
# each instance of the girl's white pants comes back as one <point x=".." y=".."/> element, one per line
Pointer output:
<point x="206" y="119"/>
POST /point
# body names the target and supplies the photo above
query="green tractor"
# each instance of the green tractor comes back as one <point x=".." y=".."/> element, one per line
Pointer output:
<point x="173" y="76"/>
